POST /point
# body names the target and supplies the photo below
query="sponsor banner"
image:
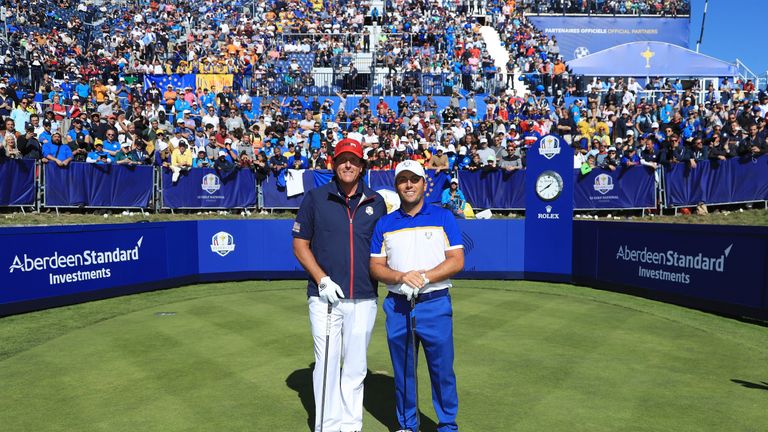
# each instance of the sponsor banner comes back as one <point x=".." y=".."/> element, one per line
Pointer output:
<point x="624" y="188"/>
<point x="18" y="182"/>
<point x="51" y="262"/>
<point x="581" y="36"/>
<point x="719" y="182"/>
<point x="724" y="265"/>
<point x="208" y="188"/>
<point x="95" y="185"/>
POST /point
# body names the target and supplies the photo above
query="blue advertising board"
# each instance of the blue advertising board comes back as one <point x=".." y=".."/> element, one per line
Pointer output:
<point x="57" y="261"/>
<point x="209" y="188"/>
<point x="251" y="248"/>
<point x="624" y="188"/>
<point x="722" y="266"/>
<point x="580" y="36"/>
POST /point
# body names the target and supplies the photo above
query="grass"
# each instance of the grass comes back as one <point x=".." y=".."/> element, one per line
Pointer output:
<point x="754" y="217"/>
<point x="236" y="357"/>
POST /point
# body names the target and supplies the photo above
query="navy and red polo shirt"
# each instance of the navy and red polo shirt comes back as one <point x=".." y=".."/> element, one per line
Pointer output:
<point x="339" y="230"/>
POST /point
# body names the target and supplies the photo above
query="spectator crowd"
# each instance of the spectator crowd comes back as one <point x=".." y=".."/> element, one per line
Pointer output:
<point x="92" y="111"/>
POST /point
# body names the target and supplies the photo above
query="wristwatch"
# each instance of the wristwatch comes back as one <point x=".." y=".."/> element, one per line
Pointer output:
<point x="424" y="277"/>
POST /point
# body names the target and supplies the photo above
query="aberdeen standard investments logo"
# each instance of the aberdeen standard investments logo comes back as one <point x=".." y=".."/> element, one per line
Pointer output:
<point x="222" y="243"/>
<point x="603" y="183"/>
<point x="62" y="264"/>
<point x="671" y="265"/>
<point x="211" y="183"/>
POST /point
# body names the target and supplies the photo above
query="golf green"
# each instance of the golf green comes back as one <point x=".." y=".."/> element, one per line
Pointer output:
<point x="237" y="357"/>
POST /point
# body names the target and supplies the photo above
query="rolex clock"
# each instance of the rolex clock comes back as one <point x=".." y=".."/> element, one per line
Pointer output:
<point x="549" y="178"/>
<point x="549" y="185"/>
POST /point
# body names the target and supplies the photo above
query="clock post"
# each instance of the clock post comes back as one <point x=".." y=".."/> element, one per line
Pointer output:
<point x="549" y="210"/>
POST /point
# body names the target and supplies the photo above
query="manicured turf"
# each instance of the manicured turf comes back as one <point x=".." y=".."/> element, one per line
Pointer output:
<point x="236" y="357"/>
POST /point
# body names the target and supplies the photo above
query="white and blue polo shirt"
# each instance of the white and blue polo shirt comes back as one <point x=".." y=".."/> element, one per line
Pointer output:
<point x="416" y="242"/>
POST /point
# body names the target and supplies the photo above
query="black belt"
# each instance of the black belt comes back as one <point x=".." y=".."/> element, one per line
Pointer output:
<point x="423" y="297"/>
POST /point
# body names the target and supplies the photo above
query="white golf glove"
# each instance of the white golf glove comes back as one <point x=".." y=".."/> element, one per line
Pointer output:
<point x="329" y="290"/>
<point x="408" y="292"/>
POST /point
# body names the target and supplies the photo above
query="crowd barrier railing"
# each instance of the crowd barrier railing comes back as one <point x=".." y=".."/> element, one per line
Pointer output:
<point x="732" y="181"/>
<point x="86" y="185"/>
<point x="208" y="188"/>
<point x="29" y="184"/>
<point x="19" y="183"/>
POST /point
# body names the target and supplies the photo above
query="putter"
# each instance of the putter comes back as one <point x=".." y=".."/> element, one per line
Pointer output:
<point x="415" y="358"/>
<point x="325" y="363"/>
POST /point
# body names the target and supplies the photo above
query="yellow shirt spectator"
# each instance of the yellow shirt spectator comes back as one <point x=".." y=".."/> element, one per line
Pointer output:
<point x="181" y="157"/>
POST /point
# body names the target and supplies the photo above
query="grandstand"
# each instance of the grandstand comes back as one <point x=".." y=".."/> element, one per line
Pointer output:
<point x="410" y="78"/>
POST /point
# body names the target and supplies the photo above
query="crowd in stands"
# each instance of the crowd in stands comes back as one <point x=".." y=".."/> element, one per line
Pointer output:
<point x="610" y="7"/>
<point x="92" y="113"/>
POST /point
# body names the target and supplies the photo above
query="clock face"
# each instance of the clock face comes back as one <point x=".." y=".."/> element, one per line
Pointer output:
<point x="549" y="185"/>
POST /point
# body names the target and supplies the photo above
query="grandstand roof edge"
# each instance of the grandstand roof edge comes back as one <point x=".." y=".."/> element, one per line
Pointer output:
<point x="603" y="15"/>
<point x="659" y="42"/>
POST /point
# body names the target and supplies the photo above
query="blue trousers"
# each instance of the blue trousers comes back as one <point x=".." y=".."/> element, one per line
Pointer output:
<point x="434" y="331"/>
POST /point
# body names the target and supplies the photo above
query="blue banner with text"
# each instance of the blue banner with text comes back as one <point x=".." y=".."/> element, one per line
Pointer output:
<point x="581" y="36"/>
<point x="209" y="188"/>
<point x="624" y="188"/>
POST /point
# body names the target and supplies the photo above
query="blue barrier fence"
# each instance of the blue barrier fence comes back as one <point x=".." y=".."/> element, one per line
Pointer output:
<point x="17" y="187"/>
<point x="601" y="189"/>
<point x="720" y="182"/>
<point x="691" y="265"/>
<point x="209" y="188"/>
<point x="736" y="180"/>
<point x="96" y="185"/>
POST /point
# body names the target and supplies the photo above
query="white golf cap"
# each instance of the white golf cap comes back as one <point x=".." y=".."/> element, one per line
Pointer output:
<point x="412" y="166"/>
<point x="455" y="180"/>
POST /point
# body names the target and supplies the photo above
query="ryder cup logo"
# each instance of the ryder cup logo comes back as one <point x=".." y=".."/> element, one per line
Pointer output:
<point x="222" y="243"/>
<point x="549" y="146"/>
<point x="603" y="183"/>
<point x="211" y="183"/>
<point x="581" y="52"/>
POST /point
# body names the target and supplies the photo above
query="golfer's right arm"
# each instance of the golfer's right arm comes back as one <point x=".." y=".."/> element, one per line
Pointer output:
<point x="307" y="259"/>
<point x="382" y="272"/>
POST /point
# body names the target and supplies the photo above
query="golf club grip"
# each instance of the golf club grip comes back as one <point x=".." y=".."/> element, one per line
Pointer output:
<point x="328" y="321"/>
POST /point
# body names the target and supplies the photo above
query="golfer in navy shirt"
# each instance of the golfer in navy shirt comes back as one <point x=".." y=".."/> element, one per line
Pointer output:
<point x="415" y="250"/>
<point x="332" y="241"/>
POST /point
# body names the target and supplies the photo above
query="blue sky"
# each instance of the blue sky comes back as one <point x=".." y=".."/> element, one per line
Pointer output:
<point x="734" y="29"/>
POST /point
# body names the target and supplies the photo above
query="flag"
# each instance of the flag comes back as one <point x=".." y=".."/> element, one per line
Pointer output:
<point x="437" y="182"/>
<point x="219" y="81"/>
<point x="176" y="80"/>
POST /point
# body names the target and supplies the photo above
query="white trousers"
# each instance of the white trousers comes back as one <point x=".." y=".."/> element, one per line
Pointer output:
<point x="351" y="326"/>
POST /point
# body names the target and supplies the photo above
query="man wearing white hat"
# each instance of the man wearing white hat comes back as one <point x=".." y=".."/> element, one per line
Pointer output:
<point x="415" y="250"/>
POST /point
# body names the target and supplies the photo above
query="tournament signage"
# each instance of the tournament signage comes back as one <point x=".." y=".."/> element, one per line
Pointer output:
<point x="209" y="188"/>
<point x="50" y="262"/>
<point x="624" y="188"/>
<point x="725" y="265"/>
<point x="581" y="36"/>
<point x="549" y="210"/>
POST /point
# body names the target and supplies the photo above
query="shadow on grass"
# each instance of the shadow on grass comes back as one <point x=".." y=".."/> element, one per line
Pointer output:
<point x="379" y="398"/>
<point x="758" y="386"/>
